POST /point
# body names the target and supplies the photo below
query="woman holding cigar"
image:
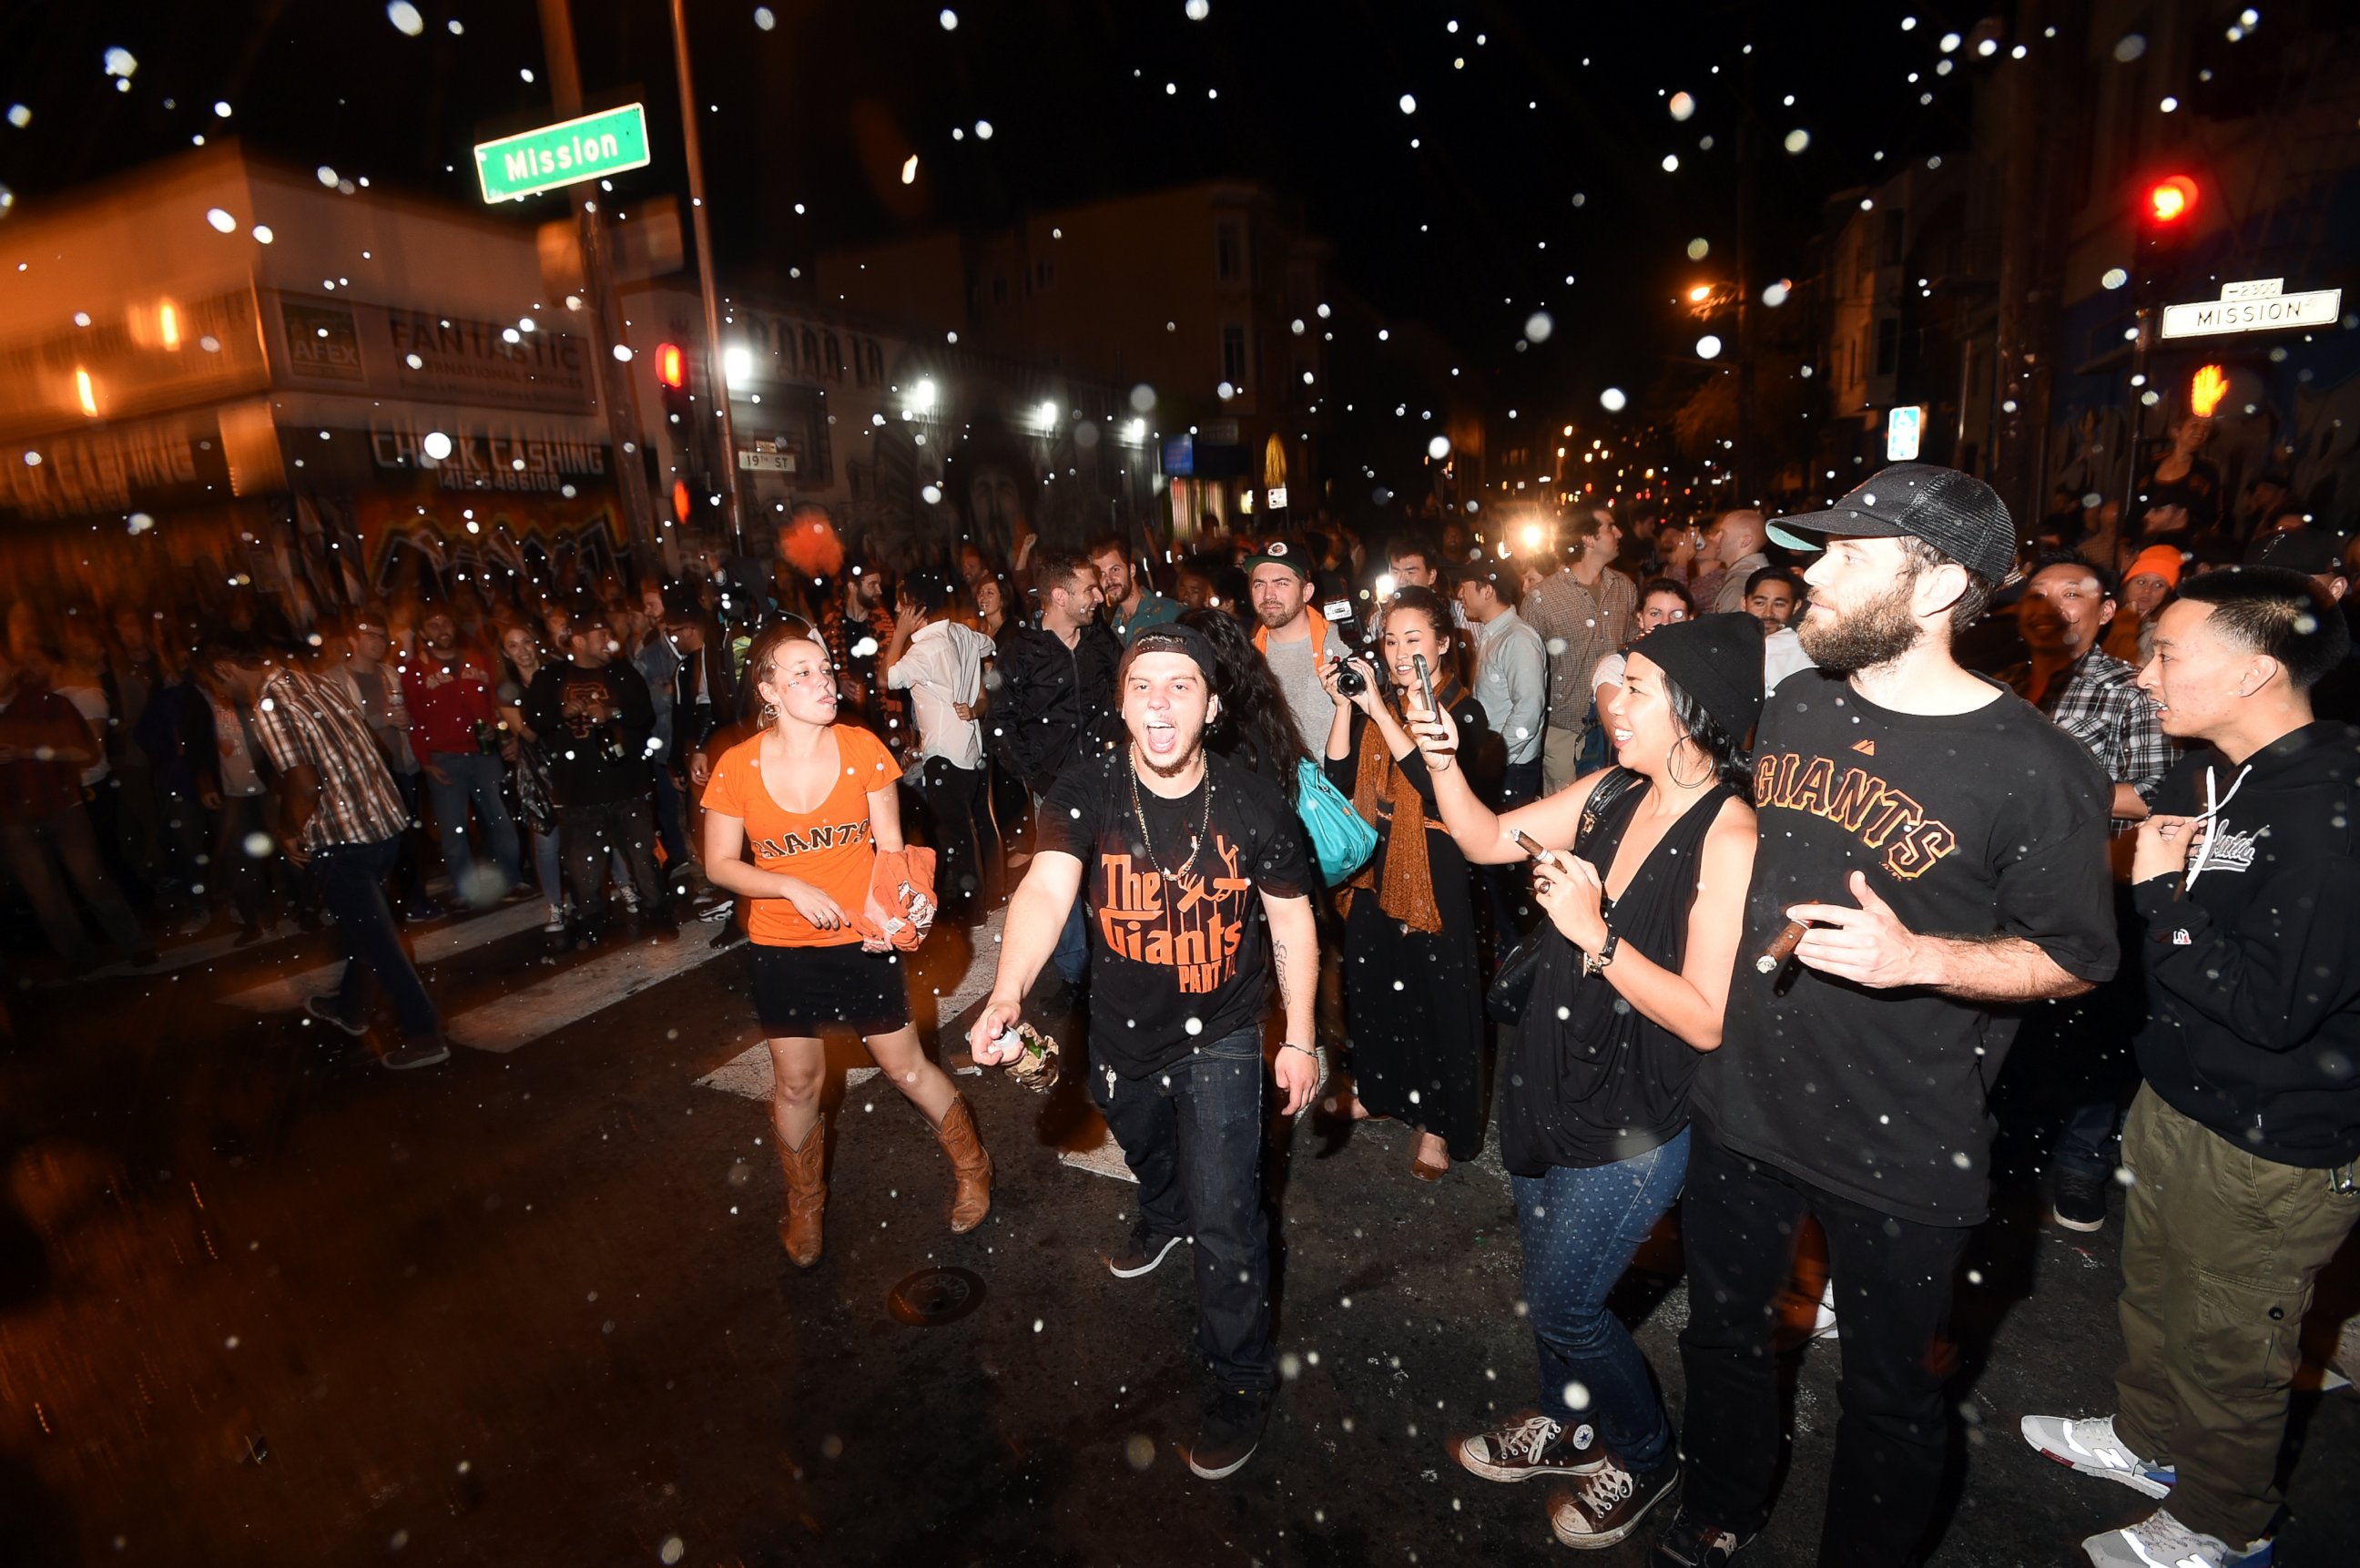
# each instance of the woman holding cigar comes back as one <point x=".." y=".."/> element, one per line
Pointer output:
<point x="1643" y="872"/>
<point x="814" y="801"/>
<point x="1412" y="994"/>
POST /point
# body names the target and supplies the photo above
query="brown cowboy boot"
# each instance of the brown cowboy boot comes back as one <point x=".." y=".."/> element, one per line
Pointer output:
<point x="806" y="1170"/>
<point x="969" y="1165"/>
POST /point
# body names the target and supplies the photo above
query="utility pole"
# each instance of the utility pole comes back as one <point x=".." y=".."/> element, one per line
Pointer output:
<point x="1747" y="140"/>
<point x="718" y="379"/>
<point x="610" y="377"/>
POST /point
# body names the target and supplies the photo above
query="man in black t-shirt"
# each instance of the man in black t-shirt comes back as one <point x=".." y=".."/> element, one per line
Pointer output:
<point x="1947" y="845"/>
<point x="1181" y="858"/>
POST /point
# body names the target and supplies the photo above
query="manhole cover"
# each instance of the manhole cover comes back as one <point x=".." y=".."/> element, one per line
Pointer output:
<point x="933" y="1297"/>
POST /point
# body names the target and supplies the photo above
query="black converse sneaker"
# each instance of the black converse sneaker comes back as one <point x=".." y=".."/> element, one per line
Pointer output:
<point x="1141" y="1256"/>
<point x="1527" y="1446"/>
<point x="1610" y="1503"/>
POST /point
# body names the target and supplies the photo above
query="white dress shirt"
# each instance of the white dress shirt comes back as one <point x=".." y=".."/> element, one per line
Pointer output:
<point x="942" y="666"/>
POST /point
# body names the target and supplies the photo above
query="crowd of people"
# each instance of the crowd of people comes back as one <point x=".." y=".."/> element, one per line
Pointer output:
<point x="1722" y="867"/>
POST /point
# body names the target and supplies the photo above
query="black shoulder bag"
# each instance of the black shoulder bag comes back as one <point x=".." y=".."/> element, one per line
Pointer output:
<point x="1511" y="988"/>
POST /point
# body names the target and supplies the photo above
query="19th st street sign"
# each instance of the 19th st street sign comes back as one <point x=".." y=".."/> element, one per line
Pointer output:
<point x="2257" y="306"/>
<point x="588" y="148"/>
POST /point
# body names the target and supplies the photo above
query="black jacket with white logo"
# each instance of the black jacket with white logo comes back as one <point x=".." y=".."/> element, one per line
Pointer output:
<point x="2253" y="959"/>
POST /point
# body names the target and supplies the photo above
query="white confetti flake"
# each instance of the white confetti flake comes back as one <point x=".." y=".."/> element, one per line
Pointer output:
<point x="405" y="19"/>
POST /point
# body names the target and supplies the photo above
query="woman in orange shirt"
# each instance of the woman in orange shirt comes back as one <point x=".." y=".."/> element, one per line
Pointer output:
<point x="814" y="800"/>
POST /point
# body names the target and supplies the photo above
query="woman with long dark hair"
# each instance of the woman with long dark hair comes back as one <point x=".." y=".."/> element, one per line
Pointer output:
<point x="1411" y="993"/>
<point x="815" y="800"/>
<point x="1254" y="725"/>
<point x="1644" y="879"/>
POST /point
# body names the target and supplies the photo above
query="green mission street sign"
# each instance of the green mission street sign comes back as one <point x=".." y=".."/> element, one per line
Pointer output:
<point x="588" y="148"/>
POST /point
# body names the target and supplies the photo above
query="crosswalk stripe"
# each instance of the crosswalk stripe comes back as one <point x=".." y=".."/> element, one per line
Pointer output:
<point x="188" y="954"/>
<point x="523" y="1016"/>
<point x="289" y="991"/>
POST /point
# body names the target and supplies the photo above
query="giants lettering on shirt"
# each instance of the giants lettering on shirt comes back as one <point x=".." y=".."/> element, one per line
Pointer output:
<point x="1184" y="922"/>
<point x="843" y="836"/>
<point x="1866" y="806"/>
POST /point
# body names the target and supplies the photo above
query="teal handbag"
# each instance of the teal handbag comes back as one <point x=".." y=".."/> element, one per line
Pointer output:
<point x="1341" y="838"/>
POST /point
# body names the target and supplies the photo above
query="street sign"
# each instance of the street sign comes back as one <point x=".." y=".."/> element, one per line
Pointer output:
<point x="1905" y="429"/>
<point x="1278" y="497"/>
<point x="2260" y="306"/>
<point x="588" y="148"/>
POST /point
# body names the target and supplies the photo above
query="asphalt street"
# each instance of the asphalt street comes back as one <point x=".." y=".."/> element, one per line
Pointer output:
<point x="262" y="1303"/>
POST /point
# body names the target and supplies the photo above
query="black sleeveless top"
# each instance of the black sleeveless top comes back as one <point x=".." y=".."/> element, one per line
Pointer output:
<point x="1592" y="1079"/>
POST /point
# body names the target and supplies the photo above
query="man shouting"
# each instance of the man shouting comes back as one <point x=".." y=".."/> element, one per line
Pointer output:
<point x="1183" y="860"/>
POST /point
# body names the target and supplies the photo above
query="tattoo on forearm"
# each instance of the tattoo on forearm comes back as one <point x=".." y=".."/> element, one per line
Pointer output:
<point x="1278" y="962"/>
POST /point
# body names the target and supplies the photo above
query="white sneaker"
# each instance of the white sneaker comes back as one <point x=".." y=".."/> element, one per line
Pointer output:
<point x="2159" y="1540"/>
<point x="2092" y="1448"/>
<point x="556" y="921"/>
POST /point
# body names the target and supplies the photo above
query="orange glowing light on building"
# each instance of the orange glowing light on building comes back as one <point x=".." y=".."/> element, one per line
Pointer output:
<point x="2206" y="389"/>
<point x="167" y="325"/>
<point x="1698" y="294"/>
<point x="85" y="391"/>
<point x="672" y="367"/>
<point x="680" y="496"/>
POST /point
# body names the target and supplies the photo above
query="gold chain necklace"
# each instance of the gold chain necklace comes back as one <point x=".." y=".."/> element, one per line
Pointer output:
<point x="1139" y="810"/>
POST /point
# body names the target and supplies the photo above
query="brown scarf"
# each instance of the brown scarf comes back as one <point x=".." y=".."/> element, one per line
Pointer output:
<point x="1408" y="892"/>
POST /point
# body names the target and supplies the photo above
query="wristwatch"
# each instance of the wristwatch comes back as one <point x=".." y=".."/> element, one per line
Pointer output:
<point x="1592" y="963"/>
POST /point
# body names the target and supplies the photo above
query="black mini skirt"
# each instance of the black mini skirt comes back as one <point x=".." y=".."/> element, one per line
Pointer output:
<point x="799" y="991"/>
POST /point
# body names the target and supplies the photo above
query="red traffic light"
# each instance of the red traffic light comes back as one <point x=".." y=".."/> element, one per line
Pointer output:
<point x="2170" y="201"/>
<point x="671" y="368"/>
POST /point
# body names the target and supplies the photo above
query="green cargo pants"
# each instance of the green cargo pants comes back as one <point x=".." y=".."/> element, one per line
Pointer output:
<point x="2220" y="1249"/>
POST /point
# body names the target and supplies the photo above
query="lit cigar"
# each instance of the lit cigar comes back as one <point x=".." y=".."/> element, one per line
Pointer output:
<point x="1782" y="946"/>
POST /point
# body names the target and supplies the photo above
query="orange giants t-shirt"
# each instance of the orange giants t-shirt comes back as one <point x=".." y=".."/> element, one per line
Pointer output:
<point x="832" y="849"/>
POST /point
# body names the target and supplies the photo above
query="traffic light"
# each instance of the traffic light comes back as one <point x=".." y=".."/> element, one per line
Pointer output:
<point x="679" y="501"/>
<point x="2170" y="203"/>
<point x="2205" y="391"/>
<point x="671" y="375"/>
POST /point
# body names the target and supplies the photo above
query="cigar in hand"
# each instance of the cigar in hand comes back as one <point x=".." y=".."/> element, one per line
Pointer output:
<point x="1782" y="946"/>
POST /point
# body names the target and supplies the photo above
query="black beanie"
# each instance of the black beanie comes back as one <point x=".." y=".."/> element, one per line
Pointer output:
<point x="1717" y="660"/>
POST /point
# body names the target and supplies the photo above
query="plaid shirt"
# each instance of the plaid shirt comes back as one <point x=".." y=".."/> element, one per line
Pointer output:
<point x="1578" y="626"/>
<point x="2095" y="701"/>
<point x="304" y="722"/>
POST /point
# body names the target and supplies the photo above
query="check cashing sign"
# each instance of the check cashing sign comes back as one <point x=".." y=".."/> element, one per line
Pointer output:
<point x="2262" y="305"/>
<point x="590" y="148"/>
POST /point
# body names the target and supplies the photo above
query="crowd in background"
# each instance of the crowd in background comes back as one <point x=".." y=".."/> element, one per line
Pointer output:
<point x="454" y="749"/>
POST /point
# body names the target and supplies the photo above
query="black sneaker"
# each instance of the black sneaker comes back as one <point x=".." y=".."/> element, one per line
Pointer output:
<point x="1609" y="1504"/>
<point x="321" y="1010"/>
<point x="2079" y="1203"/>
<point x="1231" y="1431"/>
<point x="1141" y="1256"/>
<point x="1527" y="1446"/>
<point x="1692" y="1543"/>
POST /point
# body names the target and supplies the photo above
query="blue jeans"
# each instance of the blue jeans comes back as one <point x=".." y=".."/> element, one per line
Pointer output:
<point x="351" y="880"/>
<point x="1193" y="1135"/>
<point x="1581" y="1230"/>
<point x="474" y="776"/>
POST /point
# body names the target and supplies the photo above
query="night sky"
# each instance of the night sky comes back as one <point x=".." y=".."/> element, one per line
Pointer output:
<point x="1542" y="128"/>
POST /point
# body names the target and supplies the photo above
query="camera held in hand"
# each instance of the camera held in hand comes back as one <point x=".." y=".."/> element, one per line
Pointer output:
<point x="1349" y="679"/>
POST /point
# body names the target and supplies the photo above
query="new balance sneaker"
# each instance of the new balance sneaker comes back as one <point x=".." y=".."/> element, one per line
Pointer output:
<point x="2091" y="1447"/>
<point x="1697" y="1543"/>
<point x="1141" y="1256"/>
<point x="1231" y="1431"/>
<point x="319" y="1009"/>
<point x="1608" y="1505"/>
<point x="1527" y="1446"/>
<point x="2159" y="1540"/>
<point x="2078" y="1202"/>
<point x="416" y="1054"/>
